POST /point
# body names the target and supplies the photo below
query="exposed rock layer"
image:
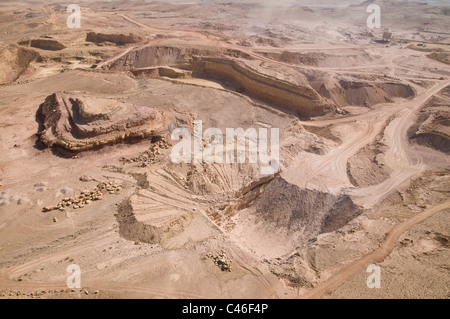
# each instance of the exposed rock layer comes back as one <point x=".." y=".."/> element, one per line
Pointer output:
<point x="79" y="124"/>
<point x="119" y="39"/>
<point x="14" y="61"/>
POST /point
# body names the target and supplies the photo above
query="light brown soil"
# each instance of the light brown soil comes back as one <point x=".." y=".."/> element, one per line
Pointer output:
<point x="364" y="167"/>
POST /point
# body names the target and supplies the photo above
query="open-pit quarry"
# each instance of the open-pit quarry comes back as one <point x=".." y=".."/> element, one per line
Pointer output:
<point x="87" y="175"/>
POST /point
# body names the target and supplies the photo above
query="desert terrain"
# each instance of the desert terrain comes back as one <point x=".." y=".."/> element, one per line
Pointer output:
<point x="87" y="178"/>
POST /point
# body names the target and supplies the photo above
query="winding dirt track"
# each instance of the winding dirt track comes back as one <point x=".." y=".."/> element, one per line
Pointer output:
<point x="376" y="256"/>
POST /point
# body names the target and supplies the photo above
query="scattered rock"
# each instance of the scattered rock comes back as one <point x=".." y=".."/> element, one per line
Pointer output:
<point x="85" y="178"/>
<point x="221" y="261"/>
<point x="86" y="197"/>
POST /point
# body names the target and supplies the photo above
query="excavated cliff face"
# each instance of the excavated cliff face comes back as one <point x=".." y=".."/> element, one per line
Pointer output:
<point x="119" y="39"/>
<point x="438" y="141"/>
<point x="316" y="95"/>
<point x="275" y="217"/>
<point x="344" y="92"/>
<point x="433" y="125"/>
<point x="78" y="124"/>
<point x="299" y="99"/>
<point x="151" y="56"/>
<point x="167" y="72"/>
<point x="44" y="44"/>
<point x="320" y="59"/>
<point x="163" y="205"/>
<point x="14" y="61"/>
<point x="162" y="56"/>
<point x="149" y="222"/>
<point x="443" y="57"/>
<point x="302" y="100"/>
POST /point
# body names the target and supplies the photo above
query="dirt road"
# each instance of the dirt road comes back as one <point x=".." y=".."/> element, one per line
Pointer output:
<point x="374" y="257"/>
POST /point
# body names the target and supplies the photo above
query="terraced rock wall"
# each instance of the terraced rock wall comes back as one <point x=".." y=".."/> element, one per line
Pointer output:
<point x="298" y="99"/>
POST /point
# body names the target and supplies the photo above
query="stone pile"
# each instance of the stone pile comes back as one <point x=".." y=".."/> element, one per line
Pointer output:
<point x="86" y="197"/>
<point x="149" y="156"/>
<point x="221" y="261"/>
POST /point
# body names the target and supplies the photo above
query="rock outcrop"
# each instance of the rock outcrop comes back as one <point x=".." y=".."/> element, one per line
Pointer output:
<point x="226" y="65"/>
<point x="358" y="92"/>
<point x="78" y="124"/>
<point x="302" y="100"/>
<point x="310" y="211"/>
<point x="146" y="219"/>
<point x="44" y="44"/>
<point x="119" y="39"/>
<point x="433" y="125"/>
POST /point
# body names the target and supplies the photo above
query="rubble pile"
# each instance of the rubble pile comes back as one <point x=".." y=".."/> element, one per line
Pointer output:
<point x="221" y="261"/>
<point x="86" y="197"/>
